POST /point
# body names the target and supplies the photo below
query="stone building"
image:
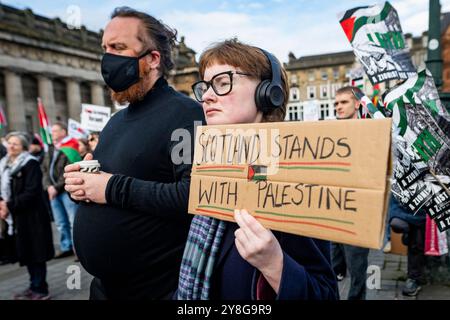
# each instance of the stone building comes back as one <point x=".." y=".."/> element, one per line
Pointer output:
<point x="445" y="43"/>
<point x="42" y="57"/>
<point x="316" y="78"/>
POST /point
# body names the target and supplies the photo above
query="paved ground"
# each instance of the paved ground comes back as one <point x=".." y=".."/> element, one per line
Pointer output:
<point x="62" y="279"/>
<point x="393" y="275"/>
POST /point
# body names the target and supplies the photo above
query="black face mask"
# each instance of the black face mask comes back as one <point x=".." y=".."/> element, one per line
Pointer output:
<point x="121" y="72"/>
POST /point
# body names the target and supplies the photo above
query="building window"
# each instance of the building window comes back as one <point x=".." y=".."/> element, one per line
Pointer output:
<point x="335" y="87"/>
<point x="2" y="86"/>
<point x="294" y="79"/>
<point x="60" y="91"/>
<point x="29" y="88"/>
<point x="324" y="92"/>
<point x="294" y="94"/>
<point x="311" y="76"/>
<point x="336" y="73"/>
<point x="324" y="113"/>
<point x="324" y="75"/>
<point x="311" y="92"/>
<point x="85" y="90"/>
<point x="293" y="113"/>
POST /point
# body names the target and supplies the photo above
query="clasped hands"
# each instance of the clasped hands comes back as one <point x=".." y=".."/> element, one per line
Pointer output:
<point x="88" y="187"/>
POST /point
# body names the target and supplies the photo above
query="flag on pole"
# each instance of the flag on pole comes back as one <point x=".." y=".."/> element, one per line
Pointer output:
<point x="3" y="122"/>
<point x="44" y="124"/>
<point x="376" y="94"/>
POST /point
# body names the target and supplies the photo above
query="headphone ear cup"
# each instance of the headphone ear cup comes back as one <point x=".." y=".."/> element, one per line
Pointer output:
<point x="260" y="96"/>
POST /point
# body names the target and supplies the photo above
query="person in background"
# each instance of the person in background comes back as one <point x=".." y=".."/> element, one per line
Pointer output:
<point x="36" y="148"/>
<point x="64" y="151"/>
<point x="23" y="206"/>
<point x="412" y="226"/>
<point x="83" y="147"/>
<point x="344" y="256"/>
<point x="93" y="140"/>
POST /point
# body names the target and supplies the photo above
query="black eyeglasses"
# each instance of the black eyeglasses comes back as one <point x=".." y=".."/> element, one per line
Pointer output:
<point x="222" y="84"/>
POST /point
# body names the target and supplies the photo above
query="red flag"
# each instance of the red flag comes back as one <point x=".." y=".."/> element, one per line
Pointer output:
<point x="44" y="124"/>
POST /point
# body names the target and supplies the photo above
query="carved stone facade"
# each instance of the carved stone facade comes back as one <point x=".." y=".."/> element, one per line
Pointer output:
<point x="41" y="57"/>
<point x="445" y="43"/>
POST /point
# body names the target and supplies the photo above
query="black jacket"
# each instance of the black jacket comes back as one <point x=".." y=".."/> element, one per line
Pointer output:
<point x="30" y="215"/>
<point x="135" y="242"/>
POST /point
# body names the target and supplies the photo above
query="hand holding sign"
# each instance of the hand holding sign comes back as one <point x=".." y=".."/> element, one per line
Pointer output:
<point x="259" y="247"/>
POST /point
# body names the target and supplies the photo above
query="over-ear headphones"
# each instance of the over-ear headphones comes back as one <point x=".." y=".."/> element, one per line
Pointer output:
<point x="269" y="94"/>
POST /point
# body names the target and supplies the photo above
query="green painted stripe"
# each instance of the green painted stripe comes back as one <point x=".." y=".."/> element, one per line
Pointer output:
<point x="303" y="217"/>
<point x="215" y="207"/>
<point x="315" y="168"/>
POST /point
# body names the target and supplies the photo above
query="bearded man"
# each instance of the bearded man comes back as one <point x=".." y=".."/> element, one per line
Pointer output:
<point x="132" y="224"/>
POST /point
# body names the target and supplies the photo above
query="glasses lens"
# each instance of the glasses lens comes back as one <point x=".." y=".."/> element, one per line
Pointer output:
<point x="222" y="84"/>
<point x="199" y="90"/>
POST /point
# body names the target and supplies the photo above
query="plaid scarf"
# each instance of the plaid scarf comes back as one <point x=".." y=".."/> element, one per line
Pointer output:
<point x="204" y="239"/>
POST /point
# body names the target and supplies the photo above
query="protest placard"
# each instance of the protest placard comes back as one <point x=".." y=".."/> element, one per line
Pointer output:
<point x="94" y="118"/>
<point x="323" y="179"/>
<point x="76" y="130"/>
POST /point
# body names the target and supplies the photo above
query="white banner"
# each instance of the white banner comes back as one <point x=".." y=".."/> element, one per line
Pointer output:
<point x="310" y="111"/>
<point x="76" y="130"/>
<point x="94" y="118"/>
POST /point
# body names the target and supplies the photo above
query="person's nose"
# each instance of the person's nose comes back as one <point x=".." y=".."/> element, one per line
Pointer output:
<point x="209" y="95"/>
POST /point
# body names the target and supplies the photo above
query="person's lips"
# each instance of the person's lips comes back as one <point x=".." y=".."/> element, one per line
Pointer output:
<point x="210" y="111"/>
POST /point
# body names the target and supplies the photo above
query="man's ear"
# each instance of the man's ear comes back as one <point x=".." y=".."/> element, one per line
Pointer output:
<point x="154" y="59"/>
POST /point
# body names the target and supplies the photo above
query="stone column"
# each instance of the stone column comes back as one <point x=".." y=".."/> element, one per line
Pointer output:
<point x="15" y="107"/>
<point x="97" y="94"/>
<point x="73" y="99"/>
<point x="45" y="89"/>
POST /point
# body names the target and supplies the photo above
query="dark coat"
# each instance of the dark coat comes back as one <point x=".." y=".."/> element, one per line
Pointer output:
<point x="58" y="170"/>
<point x="307" y="272"/>
<point x="30" y="215"/>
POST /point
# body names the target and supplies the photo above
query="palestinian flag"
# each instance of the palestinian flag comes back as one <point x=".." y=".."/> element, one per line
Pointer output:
<point x="378" y="42"/>
<point x="376" y="94"/>
<point x="69" y="146"/>
<point x="3" y="121"/>
<point x="257" y="173"/>
<point x="44" y="124"/>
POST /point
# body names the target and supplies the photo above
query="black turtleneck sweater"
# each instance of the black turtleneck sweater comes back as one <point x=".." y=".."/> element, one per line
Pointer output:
<point x="134" y="243"/>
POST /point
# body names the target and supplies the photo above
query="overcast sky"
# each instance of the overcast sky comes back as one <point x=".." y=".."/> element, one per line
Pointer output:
<point x="304" y="27"/>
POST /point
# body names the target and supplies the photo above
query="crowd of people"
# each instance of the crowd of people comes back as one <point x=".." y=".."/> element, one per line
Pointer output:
<point x="128" y="225"/>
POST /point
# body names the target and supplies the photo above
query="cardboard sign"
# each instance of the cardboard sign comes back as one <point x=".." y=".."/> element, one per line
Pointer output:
<point x="324" y="180"/>
<point x="94" y="118"/>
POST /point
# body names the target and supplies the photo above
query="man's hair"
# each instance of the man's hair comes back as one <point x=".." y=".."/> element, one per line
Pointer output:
<point x="62" y="125"/>
<point x="250" y="60"/>
<point x="157" y="36"/>
<point x="350" y="90"/>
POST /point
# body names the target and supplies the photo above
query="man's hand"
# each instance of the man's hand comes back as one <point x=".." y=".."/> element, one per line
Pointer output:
<point x="4" y="212"/>
<point x="76" y="167"/>
<point x="259" y="247"/>
<point x="87" y="186"/>
<point x="52" y="193"/>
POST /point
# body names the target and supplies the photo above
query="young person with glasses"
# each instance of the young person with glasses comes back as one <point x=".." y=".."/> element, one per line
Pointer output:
<point x="244" y="260"/>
